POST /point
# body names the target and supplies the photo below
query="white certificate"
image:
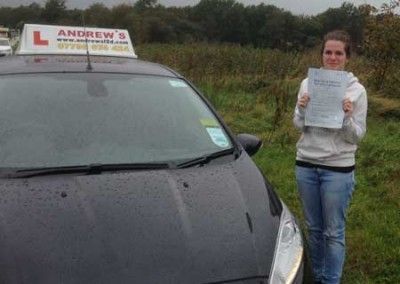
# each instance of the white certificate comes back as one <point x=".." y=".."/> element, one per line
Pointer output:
<point x="326" y="89"/>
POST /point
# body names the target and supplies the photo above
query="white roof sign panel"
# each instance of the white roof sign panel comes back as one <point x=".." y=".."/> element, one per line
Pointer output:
<point x="47" y="39"/>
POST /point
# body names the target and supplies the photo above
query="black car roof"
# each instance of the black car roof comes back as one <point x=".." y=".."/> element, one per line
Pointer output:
<point x="77" y="63"/>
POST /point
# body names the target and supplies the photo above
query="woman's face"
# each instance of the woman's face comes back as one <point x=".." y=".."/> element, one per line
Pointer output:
<point x="334" y="55"/>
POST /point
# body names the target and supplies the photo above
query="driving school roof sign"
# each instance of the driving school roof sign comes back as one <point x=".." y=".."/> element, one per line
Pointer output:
<point x="46" y="39"/>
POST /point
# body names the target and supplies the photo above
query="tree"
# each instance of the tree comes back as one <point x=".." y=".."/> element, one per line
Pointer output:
<point x="14" y="17"/>
<point x="221" y="20"/>
<point x="382" y="42"/>
<point x="267" y="25"/>
<point x="53" y="10"/>
<point x="310" y="31"/>
<point x="347" y="17"/>
<point x="98" y="15"/>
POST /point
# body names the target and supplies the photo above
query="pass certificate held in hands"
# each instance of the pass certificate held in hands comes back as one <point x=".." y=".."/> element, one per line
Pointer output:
<point x="326" y="89"/>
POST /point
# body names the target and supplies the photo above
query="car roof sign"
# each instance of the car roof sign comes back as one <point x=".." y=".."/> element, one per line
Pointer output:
<point x="65" y="40"/>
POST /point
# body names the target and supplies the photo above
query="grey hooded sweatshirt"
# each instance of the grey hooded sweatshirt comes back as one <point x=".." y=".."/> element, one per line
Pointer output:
<point x="333" y="147"/>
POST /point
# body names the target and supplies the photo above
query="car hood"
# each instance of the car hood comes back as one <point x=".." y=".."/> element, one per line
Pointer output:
<point x="196" y="225"/>
<point x="5" y="48"/>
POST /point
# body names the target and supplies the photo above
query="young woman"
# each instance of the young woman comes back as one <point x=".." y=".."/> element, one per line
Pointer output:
<point x="325" y="165"/>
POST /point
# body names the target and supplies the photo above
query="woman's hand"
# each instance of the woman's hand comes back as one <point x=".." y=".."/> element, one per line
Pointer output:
<point x="303" y="101"/>
<point x="348" y="107"/>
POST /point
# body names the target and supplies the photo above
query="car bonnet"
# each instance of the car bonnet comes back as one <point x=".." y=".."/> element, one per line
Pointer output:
<point x="202" y="225"/>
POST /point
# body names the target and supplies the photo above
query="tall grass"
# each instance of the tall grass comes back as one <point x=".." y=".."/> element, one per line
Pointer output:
<point x="255" y="91"/>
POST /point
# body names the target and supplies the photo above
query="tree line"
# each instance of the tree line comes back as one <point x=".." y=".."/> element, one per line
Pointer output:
<point x="263" y="26"/>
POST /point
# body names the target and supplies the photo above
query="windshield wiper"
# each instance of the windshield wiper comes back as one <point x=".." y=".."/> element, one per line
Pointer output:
<point x="91" y="169"/>
<point x="207" y="158"/>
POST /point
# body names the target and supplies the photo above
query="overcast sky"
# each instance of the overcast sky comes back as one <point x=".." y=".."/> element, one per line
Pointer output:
<point x="307" y="7"/>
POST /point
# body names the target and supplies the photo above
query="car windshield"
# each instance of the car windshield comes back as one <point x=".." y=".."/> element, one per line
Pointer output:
<point x="51" y="120"/>
<point x="4" y="42"/>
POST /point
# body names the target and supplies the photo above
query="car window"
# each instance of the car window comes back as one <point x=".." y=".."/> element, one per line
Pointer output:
<point x="84" y="118"/>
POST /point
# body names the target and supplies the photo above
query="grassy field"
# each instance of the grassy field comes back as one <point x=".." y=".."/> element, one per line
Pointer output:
<point x="255" y="91"/>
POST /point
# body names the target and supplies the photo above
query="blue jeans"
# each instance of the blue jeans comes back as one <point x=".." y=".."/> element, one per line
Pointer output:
<point x="325" y="196"/>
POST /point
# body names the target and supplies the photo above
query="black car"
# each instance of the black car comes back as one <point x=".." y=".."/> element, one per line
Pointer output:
<point x="123" y="173"/>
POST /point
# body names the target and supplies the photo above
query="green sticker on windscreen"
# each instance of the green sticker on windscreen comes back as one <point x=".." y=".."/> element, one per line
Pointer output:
<point x="218" y="136"/>
<point x="209" y="122"/>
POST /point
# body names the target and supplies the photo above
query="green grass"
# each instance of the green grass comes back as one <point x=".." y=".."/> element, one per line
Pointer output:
<point x="373" y="231"/>
<point x="255" y="92"/>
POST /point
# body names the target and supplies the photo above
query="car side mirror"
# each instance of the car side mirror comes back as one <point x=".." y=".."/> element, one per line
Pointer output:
<point x="250" y="143"/>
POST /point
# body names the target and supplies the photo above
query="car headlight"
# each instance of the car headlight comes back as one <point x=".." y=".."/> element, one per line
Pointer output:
<point x="288" y="251"/>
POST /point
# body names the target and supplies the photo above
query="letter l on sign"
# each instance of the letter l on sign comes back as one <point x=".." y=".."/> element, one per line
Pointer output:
<point x="37" y="40"/>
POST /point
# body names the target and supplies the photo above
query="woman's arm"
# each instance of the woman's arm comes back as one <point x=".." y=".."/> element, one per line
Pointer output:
<point x="299" y="112"/>
<point x="354" y="124"/>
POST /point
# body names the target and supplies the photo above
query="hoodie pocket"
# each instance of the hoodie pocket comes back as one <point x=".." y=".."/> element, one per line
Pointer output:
<point x="317" y="143"/>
